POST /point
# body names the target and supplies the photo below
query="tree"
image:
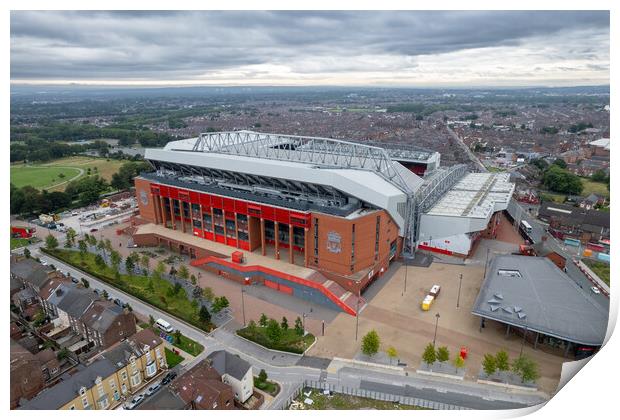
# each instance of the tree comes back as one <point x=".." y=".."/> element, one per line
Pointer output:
<point x="262" y="376"/>
<point x="299" y="326"/>
<point x="392" y="353"/>
<point x="370" y="343"/>
<point x="150" y="286"/>
<point x="129" y="266"/>
<point x="284" y="324"/>
<point x="70" y="235"/>
<point x="443" y="355"/>
<point x="429" y="356"/>
<point x="151" y="320"/>
<point x="560" y="180"/>
<point x="489" y="364"/>
<point x="501" y="361"/>
<point x="560" y="163"/>
<point x="526" y="368"/>
<point x="599" y="176"/>
<point x="92" y="241"/>
<point x="263" y="320"/>
<point x="193" y="279"/>
<point x="273" y="331"/>
<point x="115" y="257"/>
<point x="27" y="253"/>
<point x="204" y="315"/>
<point x="145" y="262"/>
<point x="208" y="294"/>
<point x="83" y="248"/>
<point x="51" y="242"/>
<point x="252" y="325"/>
<point x="220" y="303"/>
<point x="99" y="261"/>
<point x="39" y="318"/>
<point x="177" y="337"/>
<point x="183" y="272"/>
<point x="85" y="282"/>
<point x="101" y="247"/>
<point x="458" y="362"/>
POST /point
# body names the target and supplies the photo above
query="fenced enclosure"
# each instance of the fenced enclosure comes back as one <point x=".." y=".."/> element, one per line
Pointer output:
<point x="374" y="395"/>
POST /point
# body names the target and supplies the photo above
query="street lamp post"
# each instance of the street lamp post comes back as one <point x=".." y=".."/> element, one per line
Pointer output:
<point x="436" y="322"/>
<point x="458" y="298"/>
<point x="406" y="272"/>
<point x="243" y="304"/>
<point x="357" y="315"/>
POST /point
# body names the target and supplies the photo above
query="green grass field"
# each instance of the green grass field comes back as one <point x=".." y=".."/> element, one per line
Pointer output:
<point x="46" y="175"/>
<point x="591" y="187"/>
<point x="600" y="268"/>
<point x="172" y="359"/>
<point x="289" y="341"/>
<point x="18" y="242"/>
<point x="139" y="286"/>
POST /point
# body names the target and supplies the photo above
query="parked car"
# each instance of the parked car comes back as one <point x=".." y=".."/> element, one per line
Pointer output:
<point x="97" y="292"/>
<point x="119" y="302"/>
<point x="134" y="402"/>
<point x="75" y="213"/>
<point x="153" y="389"/>
<point x="595" y="290"/>
<point x="74" y="280"/>
<point x="43" y="262"/>
<point x="168" y="378"/>
<point x="93" y="230"/>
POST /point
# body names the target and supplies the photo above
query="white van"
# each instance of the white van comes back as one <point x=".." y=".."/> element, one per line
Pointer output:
<point x="163" y="325"/>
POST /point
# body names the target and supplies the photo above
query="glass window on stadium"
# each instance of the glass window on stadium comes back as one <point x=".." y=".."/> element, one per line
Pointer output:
<point x="208" y="224"/>
<point x="177" y="211"/>
<point x="185" y="209"/>
<point x="243" y="236"/>
<point x="196" y="210"/>
<point x="299" y="236"/>
<point x="197" y="224"/>
<point x="269" y="230"/>
<point x="283" y="233"/>
<point x="242" y="222"/>
<point x="219" y="230"/>
<point x="230" y="228"/>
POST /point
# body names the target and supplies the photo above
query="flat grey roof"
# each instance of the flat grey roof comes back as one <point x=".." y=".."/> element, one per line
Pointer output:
<point x="535" y="294"/>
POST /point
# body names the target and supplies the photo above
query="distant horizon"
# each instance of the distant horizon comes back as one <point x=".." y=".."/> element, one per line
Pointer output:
<point x="438" y="87"/>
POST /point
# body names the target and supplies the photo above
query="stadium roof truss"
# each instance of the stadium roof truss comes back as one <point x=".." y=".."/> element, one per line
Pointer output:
<point x="323" y="152"/>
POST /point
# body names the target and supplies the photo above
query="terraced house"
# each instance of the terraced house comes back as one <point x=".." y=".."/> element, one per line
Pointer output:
<point x="109" y="379"/>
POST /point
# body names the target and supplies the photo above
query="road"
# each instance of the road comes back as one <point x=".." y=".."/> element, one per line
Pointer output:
<point x="289" y="371"/>
<point x="474" y="159"/>
<point x="538" y="231"/>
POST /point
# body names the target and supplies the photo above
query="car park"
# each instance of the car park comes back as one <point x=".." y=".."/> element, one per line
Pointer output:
<point x="153" y="389"/>
<point x="134" y="402"/>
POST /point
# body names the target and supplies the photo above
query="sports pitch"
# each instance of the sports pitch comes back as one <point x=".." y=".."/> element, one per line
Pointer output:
<point x="49" y="176"/>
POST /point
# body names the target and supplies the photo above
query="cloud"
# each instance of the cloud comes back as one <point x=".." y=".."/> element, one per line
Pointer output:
<point x="297" y="47"/>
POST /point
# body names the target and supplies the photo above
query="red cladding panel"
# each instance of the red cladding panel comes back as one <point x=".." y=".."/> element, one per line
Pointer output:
<point x="286" y="289"/>
<point x="216" y="201"/>
<point x="229" y="204"/>
<point x="231" y="242"/>
<point x="194" y="197"/>
<point x="220" y="238"/>
<point x="268" y="212"/>
<point x="241" y="207"/>
<point x="282" y="216"/>
<point x="205" y="200"/>
<point x="208" y="235"/>
<point x="174" y="193"/>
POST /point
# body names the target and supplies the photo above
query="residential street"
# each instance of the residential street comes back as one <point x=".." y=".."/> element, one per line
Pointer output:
<point x="284" y="368"/>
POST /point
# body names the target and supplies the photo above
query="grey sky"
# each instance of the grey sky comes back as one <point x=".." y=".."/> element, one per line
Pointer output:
<point x="305" y="48"/>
